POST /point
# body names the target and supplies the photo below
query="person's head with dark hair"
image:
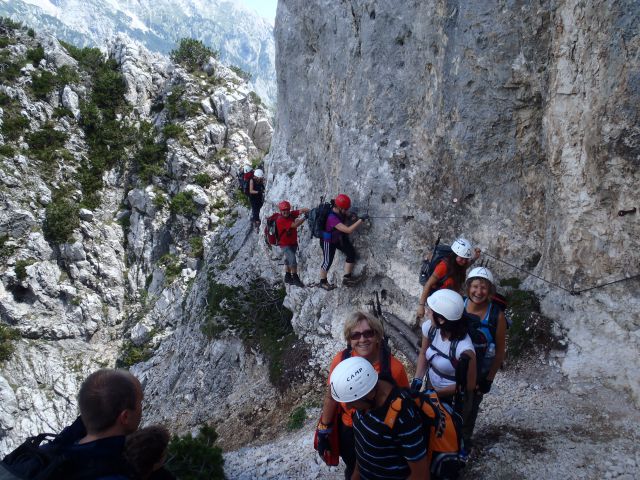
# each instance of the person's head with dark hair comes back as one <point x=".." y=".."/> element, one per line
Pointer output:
<point x="110" y="403"/>
<point x="146" y="450"/>
<point x="456" y="329"/>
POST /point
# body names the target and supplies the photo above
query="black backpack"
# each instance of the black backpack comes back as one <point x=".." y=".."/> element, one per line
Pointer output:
<point x="53" y="461"/>
<point x="440" y="252"/>
<point x="318" y="218"/>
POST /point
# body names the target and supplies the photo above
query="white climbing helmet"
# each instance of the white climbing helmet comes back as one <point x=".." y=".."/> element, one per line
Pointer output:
<point x="352" y="379"/>
<point x="462" y="248"/>
<point x="246" y="168"/>
<point x="258" y="173"/>
<point x="447" y="303"/>
<point x="480" y="272"/>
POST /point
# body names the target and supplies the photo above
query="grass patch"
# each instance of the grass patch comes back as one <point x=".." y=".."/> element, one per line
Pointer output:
<point x="297" y="418"/>
<point x="7" y="336"/>
<point x="7" y="150"/>
<point x="21" y="268"/>
<point x="256" y="314"/>
<point x="195" y="458"/>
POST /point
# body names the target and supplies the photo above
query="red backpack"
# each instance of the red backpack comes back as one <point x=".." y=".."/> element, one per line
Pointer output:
<point x="271" y="236"/>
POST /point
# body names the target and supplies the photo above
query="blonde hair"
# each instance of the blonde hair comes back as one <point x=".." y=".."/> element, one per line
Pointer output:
<point x="358" y="316"/>
<point x="492" y="287"/>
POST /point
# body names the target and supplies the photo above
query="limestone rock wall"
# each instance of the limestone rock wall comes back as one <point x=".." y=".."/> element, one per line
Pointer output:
<point x="512" y="123"/>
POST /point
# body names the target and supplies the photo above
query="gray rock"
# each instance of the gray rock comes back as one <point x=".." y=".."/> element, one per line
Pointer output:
<point x="86" y="215"/>
<point x="71" y="101"/>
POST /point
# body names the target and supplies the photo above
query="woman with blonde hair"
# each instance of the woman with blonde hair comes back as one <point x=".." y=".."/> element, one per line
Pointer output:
<point x="364" y="335"/>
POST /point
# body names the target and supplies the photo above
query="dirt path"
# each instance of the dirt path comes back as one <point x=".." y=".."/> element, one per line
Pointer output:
<point x="534" y="425"/>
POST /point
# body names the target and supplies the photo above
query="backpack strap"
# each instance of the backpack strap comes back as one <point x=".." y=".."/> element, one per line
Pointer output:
<point x="392" y="413"/>
<point x="385" y="360"/>
<point x="346" y="353"/>
<point x="494" y="315"/>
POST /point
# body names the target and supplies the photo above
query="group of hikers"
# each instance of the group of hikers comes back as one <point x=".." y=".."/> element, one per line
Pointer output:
<point x="104" y="442"/>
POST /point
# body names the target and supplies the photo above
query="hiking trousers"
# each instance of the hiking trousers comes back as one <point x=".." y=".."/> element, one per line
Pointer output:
<point x="256" y="204"/>
<point x="347" y="449"/>
<point x="329" y="251"/>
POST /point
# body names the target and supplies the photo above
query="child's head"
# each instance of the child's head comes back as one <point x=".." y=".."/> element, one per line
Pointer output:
<point x="146" y="449"/>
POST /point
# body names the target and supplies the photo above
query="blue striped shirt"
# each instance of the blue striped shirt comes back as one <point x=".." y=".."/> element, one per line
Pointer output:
<point x="383" y="453"/>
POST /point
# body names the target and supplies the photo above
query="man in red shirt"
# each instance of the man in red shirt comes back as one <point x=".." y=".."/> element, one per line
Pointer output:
<point x="287" y="226"/>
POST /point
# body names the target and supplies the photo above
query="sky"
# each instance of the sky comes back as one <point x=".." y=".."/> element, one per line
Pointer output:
<point x="266" y="8"/>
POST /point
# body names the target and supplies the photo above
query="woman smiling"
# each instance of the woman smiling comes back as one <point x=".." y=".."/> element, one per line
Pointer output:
<point x="364" y="335"/>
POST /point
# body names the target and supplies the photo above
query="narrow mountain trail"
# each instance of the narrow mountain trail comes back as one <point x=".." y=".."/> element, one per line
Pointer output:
<point x="533" y="424"/>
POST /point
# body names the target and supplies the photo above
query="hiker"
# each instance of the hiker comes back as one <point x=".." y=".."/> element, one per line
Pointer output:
<point x="480" y="289"/>
<point x="364" y="335"/>
<point x="146" y="451"/>
<point x="450" y="272"/>
<point x="244" y="177"/>
<point x="256" y="195"/>
<point x="381" y="452"/>
<point x="336" y="236"/>
<point x="110" y="403"/>
<point x="287" y="226"/>
<point x="445" y="341"/>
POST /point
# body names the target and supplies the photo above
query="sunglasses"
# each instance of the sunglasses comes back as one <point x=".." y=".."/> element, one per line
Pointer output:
<point x="366" y="334"/>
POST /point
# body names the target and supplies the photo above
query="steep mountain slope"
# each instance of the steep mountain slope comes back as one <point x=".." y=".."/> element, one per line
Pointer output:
<point x="243" y="38"/>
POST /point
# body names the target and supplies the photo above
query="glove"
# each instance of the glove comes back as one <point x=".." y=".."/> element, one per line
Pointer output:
<point x="416" y="385"/>
<point x="485" y="385"/>
<point x="323" y="441"/>
<point x="364" y="216"/>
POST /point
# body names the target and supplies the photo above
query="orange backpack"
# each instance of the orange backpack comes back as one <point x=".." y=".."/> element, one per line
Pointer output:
<point x="442" y="429"/>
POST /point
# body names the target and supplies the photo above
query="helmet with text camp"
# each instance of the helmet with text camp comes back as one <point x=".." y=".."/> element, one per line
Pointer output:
<point x="462" y="248"/>
<point x="343" y="201"/>
<point x="352" y="379"/>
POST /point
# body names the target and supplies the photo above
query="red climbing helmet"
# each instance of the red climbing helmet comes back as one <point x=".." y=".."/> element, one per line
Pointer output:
<point x="342" y="201"/>
<point x="284" y="205"/>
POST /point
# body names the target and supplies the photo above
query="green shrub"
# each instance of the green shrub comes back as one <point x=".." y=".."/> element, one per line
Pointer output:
<point x="88" y="58"/>
<point x="182" y="204"/>
<point x="131" y="354"/>
<point x="7" y="336"/>
<point x="108" y="87"/>
<point x="31" y="33"/>
<point x="9" y="69"/>
<point x="6" y="41"/>
<point x="44" y="142"/>
<point x="297" y="418"/>
<point x="203" y="179"/>
<point x="150" y="156"/>
<point x="5" y="250"/>
<point x="172" y="266"/>
<point x="34" y="55"/>
<point x="61" y="219"/>
<point x="21" y="268"/>
<point x="5" y="99"/>
<point x="60" y="112"/>
<point x="173" y="131"/>
<point x="246" y="76"/>
<point x="67" y="75"/>
<point x="512" y="282"/>
<point x="197" y="247"/>
<point x="42" y="84"/>
<point x="13" y="126"/>
<point x="526" y="329"/>
<point x="255" y="98"/>
<point x="196" y="458"/>
<point x="7" y="150"/>
<point x="192" y="54"/>
<point x="8" y="24"/>
<point x="179" y="107"/>
<point x="257" y="314"/>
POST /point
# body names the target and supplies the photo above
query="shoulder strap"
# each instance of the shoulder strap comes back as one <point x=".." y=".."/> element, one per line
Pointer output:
<point x="452" y="353"/>
<point x="392" y="413"/>
<point x="432" y="333"/>
<point x="346" y="353"/>
<point x="385" y="360"/>
<point x="494" y="315"/>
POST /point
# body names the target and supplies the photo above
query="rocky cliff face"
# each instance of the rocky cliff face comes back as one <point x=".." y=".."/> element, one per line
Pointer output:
<point x="117" y="182"/>
<point x="514" y="124"/>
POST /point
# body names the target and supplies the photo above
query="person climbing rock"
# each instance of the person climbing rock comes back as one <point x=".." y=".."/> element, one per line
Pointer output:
<point x="336" y="236"/>
<point x="445" y="340"/>
<point x="381" y="452"/>
<point x="364" y="335"/>
<point x="287" y="225"/>
<point x="256" y="195"/>
<point x="450" y="272"/>
<point x="492" y="327"/>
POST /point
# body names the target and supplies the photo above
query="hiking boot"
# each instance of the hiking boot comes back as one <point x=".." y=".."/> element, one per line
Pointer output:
<point x="326" y="286"/>
<point x="295" y="280"/>
<point x="351" y="281"/>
